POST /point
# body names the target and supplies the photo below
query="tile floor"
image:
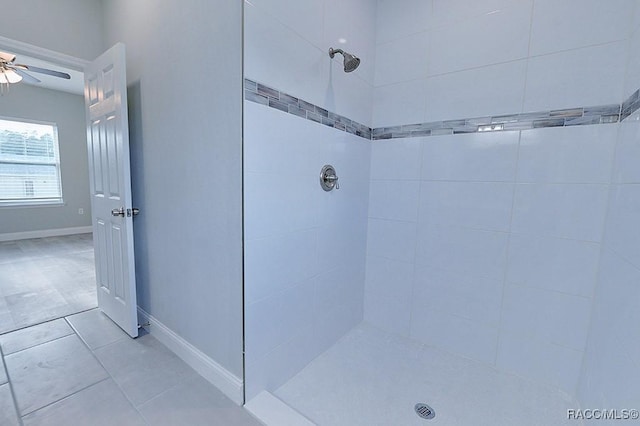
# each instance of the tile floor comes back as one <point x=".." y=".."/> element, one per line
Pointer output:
<point x="45" y="278"/>
<point x="373" y="378"/>
<point x="83" y="370"/>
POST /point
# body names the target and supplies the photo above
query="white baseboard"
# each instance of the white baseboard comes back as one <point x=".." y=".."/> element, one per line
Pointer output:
<point x="216" y="374"/>
<point x="13" y="236"/>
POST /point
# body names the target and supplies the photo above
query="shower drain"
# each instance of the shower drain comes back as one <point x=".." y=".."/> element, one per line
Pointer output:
<point x="424" y="411"/>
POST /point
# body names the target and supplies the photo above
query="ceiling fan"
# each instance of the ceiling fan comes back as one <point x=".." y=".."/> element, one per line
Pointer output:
<point x="10" y="72"/>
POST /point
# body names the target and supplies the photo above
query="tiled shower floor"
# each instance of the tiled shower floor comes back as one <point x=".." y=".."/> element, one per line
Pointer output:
<point x="373" y="378"/>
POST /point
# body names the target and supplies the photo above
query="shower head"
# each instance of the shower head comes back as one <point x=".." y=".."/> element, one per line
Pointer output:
<point x="351" y="62"/>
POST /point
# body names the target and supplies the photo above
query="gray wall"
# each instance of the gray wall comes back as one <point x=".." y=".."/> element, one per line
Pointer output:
<point x="67" y="111"/>
<point x="184" y="66"/>
<point x="72" y="27"/>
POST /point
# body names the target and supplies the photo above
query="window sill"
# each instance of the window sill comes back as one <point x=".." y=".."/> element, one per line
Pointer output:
<point x="28" y="205"/>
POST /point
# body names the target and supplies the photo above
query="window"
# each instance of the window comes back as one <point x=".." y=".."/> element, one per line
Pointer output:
<point x="29" y="163"/>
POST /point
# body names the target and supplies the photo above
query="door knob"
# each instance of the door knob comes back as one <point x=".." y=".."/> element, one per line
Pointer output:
<point x="118" y="212"/>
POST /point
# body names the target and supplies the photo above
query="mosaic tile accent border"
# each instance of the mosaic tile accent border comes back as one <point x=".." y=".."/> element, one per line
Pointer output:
<point x="602" y="114"/>
<point x="530" y="120"/>
<point x="265" y="95"/>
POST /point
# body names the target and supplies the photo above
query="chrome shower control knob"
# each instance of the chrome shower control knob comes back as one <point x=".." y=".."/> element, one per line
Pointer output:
<point x="328" y="178"/>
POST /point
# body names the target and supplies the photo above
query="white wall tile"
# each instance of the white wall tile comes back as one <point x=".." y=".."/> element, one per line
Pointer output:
<point x="402" y="60"/>
<point x="348" y="153"/>
<point x="392" y="239"/>
<point x="387" y="302"/>
<point x="398" y="159"/>
<point x="399" y="103"/>
<point x="268" y="271"/>
<point x="275" y="320"/>
<point x="632" y="79"/>
<point x="623" y="224"/>
<point x="338" y="303"/>
<point x="295" y="208"/>
<point x="560" y="210"/>
<point x="479" y="205"/>
<point x="611" y="372"/>
<point x="393" y="21"/>
<point x="581" y="77"/>
<point x="269" y="49"/>
<point x="305" y="18"/>
<point x="396" y="200"/>
<point x="479" y="92"/>
<point x="540" y="361"/>
<point x="626" y="168"/>
<point x="272" y="370"/>
<point x="471" y="157"/>
<point x="571" y="24"/>
<point x="447" y="12"/>
<point x="454" y="334"/>
<point x="632" y="74"/>
<point x="351" y="26"/>
<point x="577" y="154"/>
<point x="451" y="292"/>
<point x="292" y="144"/>
<point x="546" y="315"/>
<point x="468" y="251"/>
<point x="562" y="265"/>
<point x="481" y="40"/>
<point x="347" y="94"/>
<point x="342" y="243"/>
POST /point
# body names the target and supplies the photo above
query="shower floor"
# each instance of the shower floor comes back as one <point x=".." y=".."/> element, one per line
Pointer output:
<point x="374" y="378"/>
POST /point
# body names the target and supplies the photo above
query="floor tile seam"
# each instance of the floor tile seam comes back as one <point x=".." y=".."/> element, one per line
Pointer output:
<point x="64" y="397"/>
<point x="14" y="400"/>
<point x="39" y="344"/>
<point x="93" y="354"/>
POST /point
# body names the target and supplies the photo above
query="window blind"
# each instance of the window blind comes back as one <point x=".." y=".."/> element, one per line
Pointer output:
<point x="29" y="163"/>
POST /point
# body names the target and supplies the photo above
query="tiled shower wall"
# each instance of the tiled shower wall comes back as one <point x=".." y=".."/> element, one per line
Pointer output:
<point x="611" y="370"/>
<point x="487" y="245"/>
<point x="304" y="247"/>
<point x="444" y="59"/>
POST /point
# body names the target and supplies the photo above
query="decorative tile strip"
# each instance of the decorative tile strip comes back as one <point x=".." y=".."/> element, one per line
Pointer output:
<point x="602" y="114"/>
<point x="265" y="95"/>
<point x="530" y="120"/>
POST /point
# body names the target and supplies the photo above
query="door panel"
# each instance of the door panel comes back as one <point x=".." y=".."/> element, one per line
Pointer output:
<point x="108" y="145"/>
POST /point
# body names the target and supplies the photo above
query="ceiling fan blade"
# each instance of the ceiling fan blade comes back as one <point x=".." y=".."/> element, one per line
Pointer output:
<point x="25" y="77"/>
<point x="45" y="71"/>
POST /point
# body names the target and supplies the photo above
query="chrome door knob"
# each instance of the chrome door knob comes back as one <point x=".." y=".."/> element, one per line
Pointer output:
<point x="118" y="212"/>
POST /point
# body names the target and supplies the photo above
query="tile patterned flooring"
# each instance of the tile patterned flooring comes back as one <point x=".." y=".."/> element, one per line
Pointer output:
<point x="45" y="278"/>
<point x="83" y="370"/>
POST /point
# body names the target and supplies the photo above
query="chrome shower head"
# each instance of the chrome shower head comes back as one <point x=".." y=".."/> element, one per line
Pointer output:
<point x="351" y="62"/>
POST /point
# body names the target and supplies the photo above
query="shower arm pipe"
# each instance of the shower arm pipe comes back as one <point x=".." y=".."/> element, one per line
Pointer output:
<point x="332" y="52"/>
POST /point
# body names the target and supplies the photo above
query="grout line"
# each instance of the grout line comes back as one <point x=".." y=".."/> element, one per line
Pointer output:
<point x="40" y="344"/>
<point x="65" y="397"/>
<point x="508" y="248"/>
<point x="11" y="390"/>
<point x="110" y="376"/>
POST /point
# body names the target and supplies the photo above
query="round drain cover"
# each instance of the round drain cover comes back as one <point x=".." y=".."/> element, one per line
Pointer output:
<point x="424" y="411"/>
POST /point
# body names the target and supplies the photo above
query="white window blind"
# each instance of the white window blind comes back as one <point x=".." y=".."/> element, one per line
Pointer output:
<point x="29" y="163"/>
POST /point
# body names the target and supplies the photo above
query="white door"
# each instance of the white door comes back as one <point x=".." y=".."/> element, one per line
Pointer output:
<point x="105" y="93"/>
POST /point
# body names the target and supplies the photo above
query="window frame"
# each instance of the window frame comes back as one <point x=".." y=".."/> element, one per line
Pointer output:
<point x="37" y="202"/>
